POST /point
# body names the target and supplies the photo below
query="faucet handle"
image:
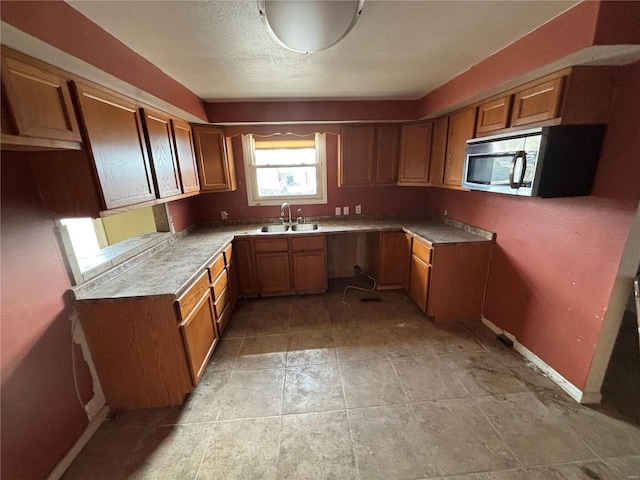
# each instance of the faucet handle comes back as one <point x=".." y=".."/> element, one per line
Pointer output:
<point x="301" y="216"/>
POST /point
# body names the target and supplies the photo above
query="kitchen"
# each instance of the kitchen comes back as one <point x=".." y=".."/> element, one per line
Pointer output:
<point x="554" y="268"/>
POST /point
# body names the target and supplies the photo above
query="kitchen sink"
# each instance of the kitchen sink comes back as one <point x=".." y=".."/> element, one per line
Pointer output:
<point x="304" y="227"/>
<point x="274" y="228"/>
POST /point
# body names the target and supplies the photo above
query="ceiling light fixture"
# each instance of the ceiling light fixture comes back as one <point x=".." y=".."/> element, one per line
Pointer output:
<point x="308" y="26"/>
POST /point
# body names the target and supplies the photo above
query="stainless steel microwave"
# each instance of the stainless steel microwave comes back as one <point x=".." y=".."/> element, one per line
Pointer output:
<point x="557" y="161"/>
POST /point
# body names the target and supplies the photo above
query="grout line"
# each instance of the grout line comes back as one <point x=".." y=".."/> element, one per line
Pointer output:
<point x="344" y="396"/>
<point x="206" y="450"/>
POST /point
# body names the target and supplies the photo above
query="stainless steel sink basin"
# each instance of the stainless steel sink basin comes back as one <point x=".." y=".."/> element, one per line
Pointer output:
<point x="274" y="228"/>
<point x="304" y="227"/>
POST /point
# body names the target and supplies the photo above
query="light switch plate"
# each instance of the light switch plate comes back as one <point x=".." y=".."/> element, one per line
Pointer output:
<point x="345" y="211"/>
<point x="358" y="209"/>
<point x="338" y="211"/>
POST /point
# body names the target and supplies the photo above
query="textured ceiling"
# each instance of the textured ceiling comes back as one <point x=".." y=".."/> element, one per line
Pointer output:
<point x="397" y="50"/>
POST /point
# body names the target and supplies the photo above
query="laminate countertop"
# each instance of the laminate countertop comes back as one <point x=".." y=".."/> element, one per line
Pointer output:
<point x="169" y="272"/>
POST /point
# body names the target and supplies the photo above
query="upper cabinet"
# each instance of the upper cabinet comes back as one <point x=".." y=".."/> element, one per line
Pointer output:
<point x="493" y="115"/>
<point x="415" y="154"/>
<point x="368" y="155"/>
<point x="159" y="135"/>
<point x="215" y="159"/>
<point x="183" y="140"/>
<point x="438" y="151"/>
<point x="37" y="112"/>
<point x="461" y="128"/>
<point x="116" y="144"/>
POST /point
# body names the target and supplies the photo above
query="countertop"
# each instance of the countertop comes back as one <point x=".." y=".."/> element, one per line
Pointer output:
<point x="169" y="272"/>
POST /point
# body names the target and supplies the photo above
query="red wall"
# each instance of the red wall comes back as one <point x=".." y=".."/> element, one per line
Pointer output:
<point x="555" y="261"/>
<point x="373" y="199"/>
<point x="41" y="416"/>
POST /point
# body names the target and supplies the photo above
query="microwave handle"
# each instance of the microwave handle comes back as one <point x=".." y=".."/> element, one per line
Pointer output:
<point x="512" y="168"/>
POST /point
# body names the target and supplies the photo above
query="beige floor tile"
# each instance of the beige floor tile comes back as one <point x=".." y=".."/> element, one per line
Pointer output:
<point x="465" y="440"/>
<point x="313" y="388"/>
<point x="272" y="306"/>
<point x="170" y="452"/>
<point x="427" y="378"/>
<point x="517" y="474"/>
<point x="453" y="339"/>
<point x="534" y="431"/>
<point x="237" y="326"/>
<point x="407" y="341"/>
<point x="250" y="393"/>
<point x="224" y="356"/>
<point x="268" y="323"/>
<point x="370" y="383"/>
<point x="242" y="449"/>
<point x="481" y="374"/>
<point x="311" y="348"/>
<point x="389" y="444"/>
<point x="269" y="351"/>
<point x="625" y="467"/>
<point x="356" y="345"/>
<point x="574" y="471"/>
<point x="316" y="446"/>
<point x="305" y="318"/>
<point x="202" y="405"/>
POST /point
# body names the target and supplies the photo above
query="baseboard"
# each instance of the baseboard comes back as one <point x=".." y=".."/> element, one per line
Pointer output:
<point x="94" y="424"/>
<point x="573" y="391"/>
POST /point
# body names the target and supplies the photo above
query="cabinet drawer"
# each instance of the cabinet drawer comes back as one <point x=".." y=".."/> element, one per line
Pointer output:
<point x="271" y="245"/>
<point x="227" y="254"/>
<point x="191" y="297"/>
<point x="219" y="284"/>
<point x="216" y="267"/>
<point x="422" y="251"/>
<point x="315" y="242"/>
<point x="223" y="320"/>
<point x="222" y="301"/>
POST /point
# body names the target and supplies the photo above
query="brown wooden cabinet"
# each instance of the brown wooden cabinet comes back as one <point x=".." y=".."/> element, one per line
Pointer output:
<point x="390" y="255"/>
<point x="115" y="142"/>
<point x="37" y="111"/>
<point x="420" y="273"/>
<point x="243" y="257"/>
<point x="183" y="141"/>
<point x="438" y="151"/>
<point x="161" y="147"/>
<point x="274" y="274"/>
<point x="309" y="264"/>
<point x="368" y="155"/>
<point x="215" y="159"/>
<point x="461" y="128"/>
<point x="494" y="114"/>
<point x="151" y="351"/>
<point x="537" y="103"/>
<point x="415" y="154"/>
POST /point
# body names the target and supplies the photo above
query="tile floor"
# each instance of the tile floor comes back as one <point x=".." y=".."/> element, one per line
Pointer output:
<point x="309" y="388"/>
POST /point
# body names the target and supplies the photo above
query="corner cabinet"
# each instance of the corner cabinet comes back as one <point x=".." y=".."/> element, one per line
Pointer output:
<point x="214" y="155"/>
<point x="462" y="126"/>
<point x="116" y="145"/>
<point x="37" y="111"/>
<point x="415" y="154"/>
<point x="389" y="257"/>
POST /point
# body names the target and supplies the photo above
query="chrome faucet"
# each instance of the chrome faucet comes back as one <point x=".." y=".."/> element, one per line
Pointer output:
<point x="300" y="216"/>
<point x="285" y="204"/>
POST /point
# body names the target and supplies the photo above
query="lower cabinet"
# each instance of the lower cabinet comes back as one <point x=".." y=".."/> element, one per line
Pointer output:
<point x="273" y="272"/>
<point x="390" y="256"/>
<point x="151" y="351"/>
<point x="245" y="267"/>
<point x="448" y="281"/>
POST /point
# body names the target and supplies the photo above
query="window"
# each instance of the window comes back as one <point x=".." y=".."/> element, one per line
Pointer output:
<point x="285" y="168"/>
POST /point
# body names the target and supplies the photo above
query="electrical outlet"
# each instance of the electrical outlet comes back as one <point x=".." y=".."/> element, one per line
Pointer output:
<point x="445" y="212"/>
<point x="338" y="211"/>
<point x="224" y="214"/>
<point x="358" y="209"/>
<point x="345" y="210"/>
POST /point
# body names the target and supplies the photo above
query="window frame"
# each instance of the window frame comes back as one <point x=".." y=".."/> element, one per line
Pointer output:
<point x="250" y="169"/>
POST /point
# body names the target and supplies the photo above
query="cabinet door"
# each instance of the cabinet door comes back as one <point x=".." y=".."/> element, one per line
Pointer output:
<point x="215" y="160"/>
<point x="117" y="146"/>
<point x="415" y="154"/>
<point x="357" y="150"/>
<point x="310" y="271"/>
<point x="39" y="102"/>
<point x="494" y="115"/>
<point x="247" y="281"/>
<point x="419" y="282"/>
<point x="232" y="274"/>
<point x="461" y="128"/>
<point x="438" y="151"/>
<point x="387" y="149"/>
<point x="537" y="103"/>
<point x="395" y="252"/>
<point x="273" y="272"/>
<point x="161" y="151"/>
<point x="200" y="336"/>
<point x="186" y="156"/>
